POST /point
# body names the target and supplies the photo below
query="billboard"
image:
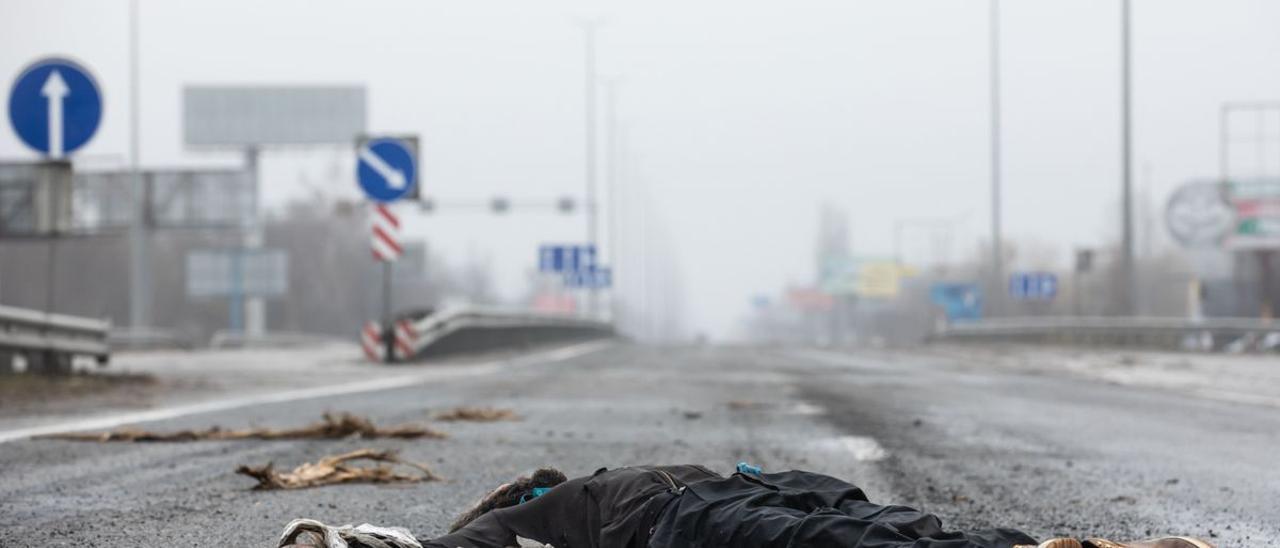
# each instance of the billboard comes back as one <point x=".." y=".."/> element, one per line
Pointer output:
<point x="272" y="115"/>
<point x="863" y="277"/>
<point x="1256" y="204"/>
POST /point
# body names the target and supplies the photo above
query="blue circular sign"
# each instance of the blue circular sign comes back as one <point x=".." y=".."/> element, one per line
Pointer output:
<point x="55" y="106"/>
<point x="385" y="169"/>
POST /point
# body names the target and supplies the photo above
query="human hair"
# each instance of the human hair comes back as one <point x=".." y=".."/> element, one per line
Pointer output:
<point x="509" y="494"/>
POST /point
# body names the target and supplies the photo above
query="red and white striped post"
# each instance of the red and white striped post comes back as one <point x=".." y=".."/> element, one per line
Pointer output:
<point x="385" y="240"/>
<point x="405" y="337"/>
<point x="371" y="342"/>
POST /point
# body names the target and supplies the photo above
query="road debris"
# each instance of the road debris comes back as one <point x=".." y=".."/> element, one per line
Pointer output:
<point x="477" y="414"/>
<point x="337" y="469"/>
<point x="745" y="405"/>
<point x="332" y="426"/>
<point x="309" y="532"/>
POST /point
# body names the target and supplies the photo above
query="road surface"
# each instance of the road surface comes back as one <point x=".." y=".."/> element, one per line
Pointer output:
<point x="979" y="446"/>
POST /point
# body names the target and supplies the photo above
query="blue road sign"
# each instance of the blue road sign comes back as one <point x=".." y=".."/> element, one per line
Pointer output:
<point x="959" y="301"/>
<point x="386" y="169"/>
<point x="1033" y="286"/>
<point x="590" y="278"/>
<point x="55" y="106"/>
<point x="566" y="258"/>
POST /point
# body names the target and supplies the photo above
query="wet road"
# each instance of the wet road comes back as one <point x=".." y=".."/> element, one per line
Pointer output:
<point x="981" y="447"/>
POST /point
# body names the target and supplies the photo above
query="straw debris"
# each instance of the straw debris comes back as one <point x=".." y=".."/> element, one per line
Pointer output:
<point x="342" y="425"/>
<point x="477" y="414"/>
<point x="339" y="469"/>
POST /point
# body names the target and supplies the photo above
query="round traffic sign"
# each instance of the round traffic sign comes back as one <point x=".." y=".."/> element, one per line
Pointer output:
<point x="385" y="169"/>
<point x="1199" y="215"/>
<point x="55" y="106"/>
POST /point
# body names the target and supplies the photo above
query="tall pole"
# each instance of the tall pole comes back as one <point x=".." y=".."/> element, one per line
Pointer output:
<point x="589" y="98"/>
<point x="1129" y="299"/>
<point x="139" y="264"/>
<point x="997" y="244"/>
<point x="611" y="181"/>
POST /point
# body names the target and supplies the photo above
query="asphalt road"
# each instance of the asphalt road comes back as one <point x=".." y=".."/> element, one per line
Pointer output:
<point x="978" y="446"/>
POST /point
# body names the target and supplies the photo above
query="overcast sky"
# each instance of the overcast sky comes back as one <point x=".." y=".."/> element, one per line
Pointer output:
<point x="742" y="116"/>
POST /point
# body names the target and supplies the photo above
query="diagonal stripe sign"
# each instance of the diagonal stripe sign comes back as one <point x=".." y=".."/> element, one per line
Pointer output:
<point x="385" y="237"/>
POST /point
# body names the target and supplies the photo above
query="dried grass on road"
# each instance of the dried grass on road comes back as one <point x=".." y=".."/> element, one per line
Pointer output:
<point x="342" y="425"/>
<point x="477" y="414"/>
<point x="338" y="469"/>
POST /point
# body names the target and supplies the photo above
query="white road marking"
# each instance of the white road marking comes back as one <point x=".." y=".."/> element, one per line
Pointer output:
<point x="113" y="421"/>
<point x="862" y="448"/>
<point x="807" y="409"/>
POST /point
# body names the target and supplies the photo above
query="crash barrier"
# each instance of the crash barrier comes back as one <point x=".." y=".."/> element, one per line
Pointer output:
<point x="47" y="343"/>
<point x="474" y="329"/>
<point x="1210" y="334"/>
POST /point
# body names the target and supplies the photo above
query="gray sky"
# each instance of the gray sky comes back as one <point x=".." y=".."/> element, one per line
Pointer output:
<point x="742" y="117"/>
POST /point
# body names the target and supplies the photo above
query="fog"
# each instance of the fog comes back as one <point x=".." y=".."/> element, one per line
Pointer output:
<point x="738" y="120"/>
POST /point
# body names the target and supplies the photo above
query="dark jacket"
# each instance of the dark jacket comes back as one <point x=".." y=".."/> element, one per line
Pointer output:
<point x="610" y="509"/>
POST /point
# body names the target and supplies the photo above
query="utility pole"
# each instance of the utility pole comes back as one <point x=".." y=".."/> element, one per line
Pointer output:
<point x="997" y="245"/>
<point x="589" y="97"/>
<point x="1129" y="299"/>
<point x="139" y="263"/>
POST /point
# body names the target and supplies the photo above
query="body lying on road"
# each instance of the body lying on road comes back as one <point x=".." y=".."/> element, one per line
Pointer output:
<point x="691" y="506"/>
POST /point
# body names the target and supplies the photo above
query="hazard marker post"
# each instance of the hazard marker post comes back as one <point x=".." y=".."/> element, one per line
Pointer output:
<point x="387" y="171"/>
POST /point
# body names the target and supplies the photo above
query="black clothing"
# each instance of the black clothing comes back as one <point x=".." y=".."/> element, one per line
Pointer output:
<point x="610" y="509"/>
<point x="804" y="510"/>
<point x="692" y="507"/>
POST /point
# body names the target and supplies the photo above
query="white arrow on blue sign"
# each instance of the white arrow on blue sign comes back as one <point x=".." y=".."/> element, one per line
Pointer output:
<point x="387" y="169"/>
<point x="55" y="106"/>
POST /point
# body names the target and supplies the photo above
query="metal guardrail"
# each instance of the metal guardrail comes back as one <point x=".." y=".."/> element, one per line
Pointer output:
<point x="1235" y="334"/>
<point x="48" y="342"/>
<point x="476" y="328"/>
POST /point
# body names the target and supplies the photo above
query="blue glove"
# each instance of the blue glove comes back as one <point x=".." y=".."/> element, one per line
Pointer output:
<point x="744" y="468"/>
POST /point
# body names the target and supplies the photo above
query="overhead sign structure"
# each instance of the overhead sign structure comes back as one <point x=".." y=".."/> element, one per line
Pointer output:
<point x="55" y="107"/>
<point x="565" y="258"/>
<point x="595" y="277"/>
<point x="577" y="264"/>
<point x="387" y="168"/>
<point x="1033" y="286"/>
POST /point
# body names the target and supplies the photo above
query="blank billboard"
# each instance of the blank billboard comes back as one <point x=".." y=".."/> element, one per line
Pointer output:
<point x="272" y="115"/>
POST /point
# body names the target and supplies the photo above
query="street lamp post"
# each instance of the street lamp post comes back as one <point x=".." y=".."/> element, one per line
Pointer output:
<point x="589" y="97"/>
<point x="997" y="245"/>
<point x="1129" y="300"/>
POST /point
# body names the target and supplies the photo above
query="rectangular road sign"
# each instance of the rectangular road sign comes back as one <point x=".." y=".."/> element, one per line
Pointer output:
<point x="566" y="258"/>
<point x="229" y="272"/>
<point x="268" y="115"/>
<point x="592" y="278"/>
<point x="1033" y="286"/>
